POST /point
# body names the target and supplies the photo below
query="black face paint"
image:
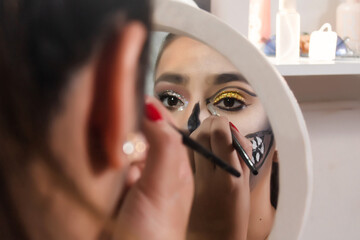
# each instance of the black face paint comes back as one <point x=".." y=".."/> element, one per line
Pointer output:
<point x="194" y="120"/>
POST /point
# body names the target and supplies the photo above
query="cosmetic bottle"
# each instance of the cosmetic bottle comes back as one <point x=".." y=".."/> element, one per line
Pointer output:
<point x="348" y="24"/>
<point x="287" y="32"/>
<point x="323" y="44"/>
<point x="259" y="22"/>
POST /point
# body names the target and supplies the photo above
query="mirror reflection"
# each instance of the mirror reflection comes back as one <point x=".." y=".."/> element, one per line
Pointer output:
<point x="211" y="101"/>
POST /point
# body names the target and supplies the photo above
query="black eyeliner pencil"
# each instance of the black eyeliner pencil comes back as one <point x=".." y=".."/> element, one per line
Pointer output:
<point x="207" y="154"/>
<point x="243" y="154"/>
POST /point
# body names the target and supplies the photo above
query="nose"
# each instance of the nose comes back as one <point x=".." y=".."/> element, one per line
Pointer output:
<point x="199" y="113"/>
<point x="204" y="112"/>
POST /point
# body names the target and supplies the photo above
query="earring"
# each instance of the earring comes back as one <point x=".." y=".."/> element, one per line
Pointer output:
<point x="135" y="146"/>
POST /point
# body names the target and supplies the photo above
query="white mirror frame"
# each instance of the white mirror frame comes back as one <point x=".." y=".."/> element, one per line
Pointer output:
<point x="185" y="18"/>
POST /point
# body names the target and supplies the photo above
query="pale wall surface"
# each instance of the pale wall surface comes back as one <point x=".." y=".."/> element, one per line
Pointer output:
<point x="334" y="134"/>
<point x="331" y="108"/>
<point x="314" y="13"/>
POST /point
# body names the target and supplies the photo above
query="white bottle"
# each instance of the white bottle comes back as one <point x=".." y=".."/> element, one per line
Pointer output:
<point x="287" y="36"/>
<point x="259" y="22"/>
<point x="348" y="23"/>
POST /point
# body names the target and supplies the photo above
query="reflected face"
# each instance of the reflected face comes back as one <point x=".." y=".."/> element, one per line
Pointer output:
<point x="190" y="72"/>
<point x="193" y="78"/>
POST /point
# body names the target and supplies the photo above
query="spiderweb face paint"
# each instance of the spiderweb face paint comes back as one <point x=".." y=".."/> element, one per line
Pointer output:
<point x="261" y="145"/>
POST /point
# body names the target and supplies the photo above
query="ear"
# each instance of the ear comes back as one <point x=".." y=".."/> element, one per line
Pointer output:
<point x="114" y="112"/>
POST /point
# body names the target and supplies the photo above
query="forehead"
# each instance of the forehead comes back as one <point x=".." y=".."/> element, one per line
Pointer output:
<point x="186" y="55"/>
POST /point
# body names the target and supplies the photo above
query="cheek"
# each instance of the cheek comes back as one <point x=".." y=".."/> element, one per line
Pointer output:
<point x="252" y="119"/>
<point x="264" y="171"/>
<point x="179" y="118"/>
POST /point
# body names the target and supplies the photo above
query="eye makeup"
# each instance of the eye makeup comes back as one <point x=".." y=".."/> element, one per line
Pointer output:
<point x="230" y="99"/>
<point x="172" y="100"/>
<point x="228" y="94"/>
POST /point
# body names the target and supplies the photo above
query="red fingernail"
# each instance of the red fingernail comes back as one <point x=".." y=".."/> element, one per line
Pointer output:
<point x="152" y="113"/>
<point x="231" y="124"/>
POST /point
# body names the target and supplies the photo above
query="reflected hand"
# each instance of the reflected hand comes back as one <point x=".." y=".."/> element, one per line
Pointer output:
<point x="158" y="204"/>
<point x="222" y="202"/>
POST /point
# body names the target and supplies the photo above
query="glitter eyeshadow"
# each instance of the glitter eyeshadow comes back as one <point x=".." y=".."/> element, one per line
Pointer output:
<point x="171" y="93"/>
<point x="228" y="94"/>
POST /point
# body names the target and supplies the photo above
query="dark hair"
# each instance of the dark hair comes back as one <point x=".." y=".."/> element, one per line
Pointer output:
<point x="41" y="43"/>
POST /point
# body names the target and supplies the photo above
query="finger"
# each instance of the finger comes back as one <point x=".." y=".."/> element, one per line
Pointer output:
<point x="167" y="166"/>
<point x="161" y="198"/>
<point x="221" y="144"/>
<point x="165" y="113"/>
<point x="246" y="145"/>
<point x="169" y="118"/>
<point x="204" y="168"/>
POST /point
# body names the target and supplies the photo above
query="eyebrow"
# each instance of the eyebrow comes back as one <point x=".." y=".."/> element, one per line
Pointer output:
<point x="220" y="79"/>
<point x="232" y="77"/>
<point x="229" y="77"/>
<point x="223" y="89"/>
<point x="172" y="78"/>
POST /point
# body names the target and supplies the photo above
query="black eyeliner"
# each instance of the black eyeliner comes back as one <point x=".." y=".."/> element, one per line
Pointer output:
<point x="206" y="153"/>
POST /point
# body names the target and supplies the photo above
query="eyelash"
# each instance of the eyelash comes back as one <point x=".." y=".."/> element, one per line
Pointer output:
<point x="232" y="96"/>
<point x="169" y="93"/>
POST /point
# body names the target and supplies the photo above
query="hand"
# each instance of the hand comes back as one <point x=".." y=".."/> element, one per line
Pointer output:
<point x="158" y="205"/>
<point x="222" y="202"/>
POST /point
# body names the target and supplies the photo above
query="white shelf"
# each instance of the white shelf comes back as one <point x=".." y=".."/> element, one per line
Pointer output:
<point x="305" y="67"/>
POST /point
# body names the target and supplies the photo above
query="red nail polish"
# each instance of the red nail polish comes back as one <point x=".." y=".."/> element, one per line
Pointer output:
<point x="231" y="124"/>
<point x="152" y="113"/>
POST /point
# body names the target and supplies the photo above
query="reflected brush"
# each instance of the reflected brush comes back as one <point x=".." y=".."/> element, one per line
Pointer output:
<point x="187" y="141"/>
<point x="241" y="151"/>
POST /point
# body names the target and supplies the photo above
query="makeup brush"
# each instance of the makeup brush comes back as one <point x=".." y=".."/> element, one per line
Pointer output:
<point x="243" y="154"/>
<point x="187" y="141"/>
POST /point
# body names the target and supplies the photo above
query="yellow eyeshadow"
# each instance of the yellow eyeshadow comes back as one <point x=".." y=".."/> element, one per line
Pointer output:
<point x="228" y="94"/>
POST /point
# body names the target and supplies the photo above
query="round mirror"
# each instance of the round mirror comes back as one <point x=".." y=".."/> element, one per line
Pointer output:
<point x="218" y="71"/>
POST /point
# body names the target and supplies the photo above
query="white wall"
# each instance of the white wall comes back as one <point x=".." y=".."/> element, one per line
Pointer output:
<point x="314" y="13"/>
<point x="156" y="41"/>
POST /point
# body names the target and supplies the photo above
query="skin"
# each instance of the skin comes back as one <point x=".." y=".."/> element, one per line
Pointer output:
<point x="148" y="188"/>
<point x="224" y="207"/>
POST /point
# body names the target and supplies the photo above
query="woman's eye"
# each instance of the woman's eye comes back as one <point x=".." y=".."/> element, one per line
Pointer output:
<point x="230" y="101"/>
<point x="172" y="100"/>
